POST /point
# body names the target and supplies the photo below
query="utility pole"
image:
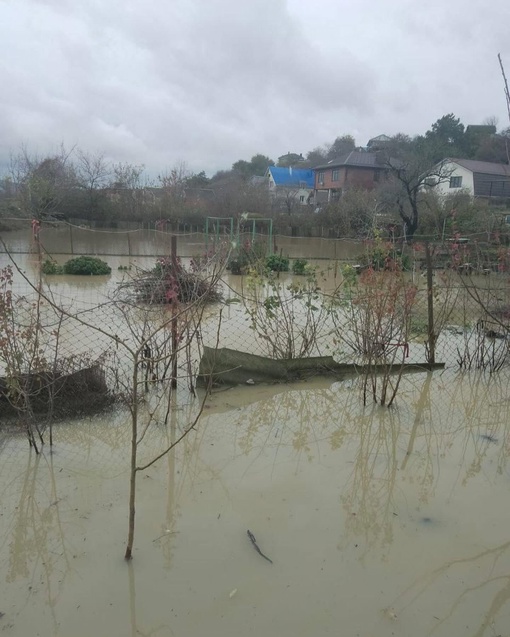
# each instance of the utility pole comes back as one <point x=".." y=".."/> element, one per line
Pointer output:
<point x="507" y="95"/>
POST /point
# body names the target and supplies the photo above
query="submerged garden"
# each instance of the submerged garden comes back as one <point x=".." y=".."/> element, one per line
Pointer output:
<point x="346" y="415"/>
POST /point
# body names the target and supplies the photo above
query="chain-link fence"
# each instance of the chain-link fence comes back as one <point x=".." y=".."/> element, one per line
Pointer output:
<point x="431" y="312"/>
<point x="77" y="339"/>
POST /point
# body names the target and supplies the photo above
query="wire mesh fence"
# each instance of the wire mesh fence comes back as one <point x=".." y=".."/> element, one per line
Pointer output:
<point x="75" y="338"/>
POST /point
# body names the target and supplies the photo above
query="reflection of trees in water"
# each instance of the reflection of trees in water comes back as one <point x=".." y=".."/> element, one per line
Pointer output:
<point x="438" y="417"/>
<point x="36" y="535"/>
<point x="488" y="569"/>
<point x="300" y="419"/>
<point x="186" y="468"/>
<point x="389" y="445"/>
<point x="36" y="538"/>
<point x="162" y="629"/>
<point x="475" y="408"/>
<point x="426" y="441"/>
<point x="385" y="443"/>
<point x="447" y="414"/>
<point x="368" y="496"/>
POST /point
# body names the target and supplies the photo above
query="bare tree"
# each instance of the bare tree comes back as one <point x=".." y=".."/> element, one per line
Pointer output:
<point x="411" y="177"/>
<point x="41" y="184"/>
<point x="127" y="189"/>
<point x="93" y="173"/>
<point x="287" y="197"/>
<point x="375" y="325"/>
<point x="144" y="341"/>
<point x="127" y="175"/>
<point x="173" y="184"/>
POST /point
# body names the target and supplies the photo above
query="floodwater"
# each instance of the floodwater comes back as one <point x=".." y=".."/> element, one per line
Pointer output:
<point x="68" y="239"/>
<point x="379" y="522"/>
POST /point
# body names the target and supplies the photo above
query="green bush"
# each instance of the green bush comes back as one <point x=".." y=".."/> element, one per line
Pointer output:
<point x="86" y="265"/>
<point x="247" y="256"/>
<point x="235" y="266"/>
<point x="381" y="255"/>
<point x="51" y="267"/>
<point x="277" y="263"/>
<point x="299" y="266"/>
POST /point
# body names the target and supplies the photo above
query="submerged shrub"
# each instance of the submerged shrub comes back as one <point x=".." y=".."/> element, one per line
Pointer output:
<point x="277" y="263"/>
<point x="51" y="267"/>
<point x="86" y="265"/>
<point x="247" y="256"/>
<point x="300" y="266"/>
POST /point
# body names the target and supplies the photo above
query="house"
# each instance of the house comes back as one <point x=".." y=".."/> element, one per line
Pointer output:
<point x="290" y="159"/>
<point x="357" y="169"/>
<point x="476" y="178"/>
<point x="378" y="143"/>
<point x="293" y="185"/>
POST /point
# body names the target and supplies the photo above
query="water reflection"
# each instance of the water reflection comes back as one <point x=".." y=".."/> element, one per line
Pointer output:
<point x="439" y="419"/>
<point x="368" y="496"/>
<point x="135" y="630"/>
<point x="487" y="572"/>
<point x="421" y="486"/>
<point x="39" y="551"/>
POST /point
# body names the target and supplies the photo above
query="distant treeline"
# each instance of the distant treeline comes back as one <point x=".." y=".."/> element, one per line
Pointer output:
<point x="80" y="185"/>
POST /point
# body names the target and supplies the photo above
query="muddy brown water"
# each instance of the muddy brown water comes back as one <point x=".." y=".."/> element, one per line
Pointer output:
<point x="64" y="239"/>
<point x="379" y="522"/>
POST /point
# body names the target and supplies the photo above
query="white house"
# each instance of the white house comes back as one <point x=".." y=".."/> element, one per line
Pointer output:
<point x="477" y="178"/>
<point x="290" y="183"/>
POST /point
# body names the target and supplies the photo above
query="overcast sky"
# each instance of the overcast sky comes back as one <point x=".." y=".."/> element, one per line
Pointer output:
<point x="207" y="82"/>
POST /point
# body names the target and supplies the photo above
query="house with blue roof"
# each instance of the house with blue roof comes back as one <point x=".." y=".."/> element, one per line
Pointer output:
<point x="293" y="186"/>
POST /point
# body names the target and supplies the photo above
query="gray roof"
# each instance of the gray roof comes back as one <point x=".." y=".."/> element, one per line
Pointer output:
<point x="485" y="167"/>
<point x="355" y="158"/>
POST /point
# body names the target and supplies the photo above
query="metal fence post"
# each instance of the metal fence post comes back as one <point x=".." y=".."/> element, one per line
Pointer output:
<point x="430" y="307"/>
<point x="173" y="243"/>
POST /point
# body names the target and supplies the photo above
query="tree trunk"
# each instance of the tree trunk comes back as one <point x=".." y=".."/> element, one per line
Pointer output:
<point x="134" y="447"/>
<point x="132" y="492"/>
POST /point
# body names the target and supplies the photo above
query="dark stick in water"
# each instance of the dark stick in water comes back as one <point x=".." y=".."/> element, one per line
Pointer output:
<point x="254" y="542"/>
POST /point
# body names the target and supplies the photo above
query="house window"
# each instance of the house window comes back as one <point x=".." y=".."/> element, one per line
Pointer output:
<point x="320" y="177"/>
<point x="376" y="175"/>
<point x="302" y="198"/>
<point x="336" y="175"/>
<point x="455" y="182"/>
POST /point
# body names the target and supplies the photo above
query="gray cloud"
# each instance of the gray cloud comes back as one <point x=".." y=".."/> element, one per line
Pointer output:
<point x="212" y="81"/>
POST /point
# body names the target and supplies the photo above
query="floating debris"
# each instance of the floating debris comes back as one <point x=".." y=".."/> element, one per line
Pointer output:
<point x="489" y="438"/>
<point x="169" y="281"/>
<point x="254" y="542"/>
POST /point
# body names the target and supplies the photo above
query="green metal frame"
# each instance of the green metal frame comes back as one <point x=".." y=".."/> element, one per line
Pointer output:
<point x="216" y="228"/>
<point x="214" y="222"/>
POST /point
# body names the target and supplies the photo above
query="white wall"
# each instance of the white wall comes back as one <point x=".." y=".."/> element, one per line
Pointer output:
<point x="457" y="171"/>
<point x="270" y="180"/>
